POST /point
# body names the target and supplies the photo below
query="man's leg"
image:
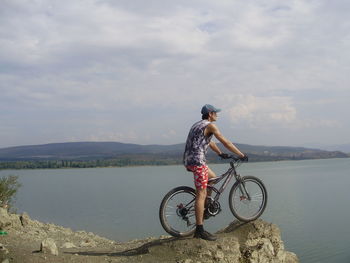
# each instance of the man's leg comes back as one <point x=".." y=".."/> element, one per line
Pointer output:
<point x="201" y="180"/>
<point x="201" y="195"/>
<point x="211" y="175"/>
<point x="206" y="214"/>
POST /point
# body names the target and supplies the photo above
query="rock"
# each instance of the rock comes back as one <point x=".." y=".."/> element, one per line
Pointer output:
<point x="3" y="212"/>
<point x="261" y="251"/>
<point x="68" y="245"/>
<point x="48" y="246"/>
<point x="264" y="244"/>
<point x="5" y="219"/>
<point x="88" y="243"/>
<point x="9" y="220"/>
<point x="291" y="257"/>
<point x="3" y="250"/>
<point x="219" y="255"/>
<point x="51" y="228"/>
<point x="205" y="254"/>
<point x="254" y="242"/>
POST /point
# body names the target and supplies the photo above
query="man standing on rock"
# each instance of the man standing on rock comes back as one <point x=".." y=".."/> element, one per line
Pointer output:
<point x="198" y="140"/>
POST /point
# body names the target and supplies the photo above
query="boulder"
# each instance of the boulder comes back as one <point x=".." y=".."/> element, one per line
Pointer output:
<point x="9" y="220"/>
<point x="48" y="246"/>
<point x="5" y="219"/>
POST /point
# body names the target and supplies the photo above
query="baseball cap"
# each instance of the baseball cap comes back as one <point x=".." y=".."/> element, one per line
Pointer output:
<point x="209" y="108"/>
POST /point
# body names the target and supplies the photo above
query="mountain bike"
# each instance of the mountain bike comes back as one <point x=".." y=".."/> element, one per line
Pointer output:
<point x="247" y="201"/>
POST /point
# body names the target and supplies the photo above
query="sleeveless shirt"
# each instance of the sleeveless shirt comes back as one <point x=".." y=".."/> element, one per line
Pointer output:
<point x="196" y="144"/>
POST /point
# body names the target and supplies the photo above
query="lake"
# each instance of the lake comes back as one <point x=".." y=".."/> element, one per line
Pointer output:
<point x="308" y="200"/>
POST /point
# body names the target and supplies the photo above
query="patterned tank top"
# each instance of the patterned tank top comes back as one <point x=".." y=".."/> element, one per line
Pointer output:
<point x="197" y="144"/>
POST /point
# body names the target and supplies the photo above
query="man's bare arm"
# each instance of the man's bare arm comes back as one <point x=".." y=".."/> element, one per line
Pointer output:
<point x="215" y="148"/>
<point x="213" y="129"/>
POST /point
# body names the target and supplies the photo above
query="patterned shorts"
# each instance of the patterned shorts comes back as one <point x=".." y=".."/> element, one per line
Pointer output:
<point x="200" y="174"/>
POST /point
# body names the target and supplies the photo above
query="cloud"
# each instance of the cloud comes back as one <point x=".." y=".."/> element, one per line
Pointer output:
<point x="257" y="29"/>
<point x="272" y="63"/>
<point x="270" y="112"/>
<point x="261" y="111"/>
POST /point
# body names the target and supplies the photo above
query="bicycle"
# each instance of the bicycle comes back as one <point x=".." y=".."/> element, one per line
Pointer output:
<point x="247" y="201"/>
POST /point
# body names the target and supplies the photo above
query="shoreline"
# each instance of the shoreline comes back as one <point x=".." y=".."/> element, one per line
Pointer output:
<point x="162" y="165"/>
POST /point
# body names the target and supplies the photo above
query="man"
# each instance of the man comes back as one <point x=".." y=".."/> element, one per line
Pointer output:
<point x="198" y="140"/>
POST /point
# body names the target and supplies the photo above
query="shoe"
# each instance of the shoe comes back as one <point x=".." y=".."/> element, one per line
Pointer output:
<point x="204" y="235"/>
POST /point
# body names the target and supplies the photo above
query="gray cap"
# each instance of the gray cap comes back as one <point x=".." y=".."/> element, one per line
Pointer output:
<point x="209" y="108"/>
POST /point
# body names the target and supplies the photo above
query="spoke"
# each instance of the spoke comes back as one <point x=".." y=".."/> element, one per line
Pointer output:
<point x="173" y="210"/>
<point x="189" y="203"/>
<point x="171" y="214"/>
<point x="257" y="195"/>
<point x="248" y="208"/>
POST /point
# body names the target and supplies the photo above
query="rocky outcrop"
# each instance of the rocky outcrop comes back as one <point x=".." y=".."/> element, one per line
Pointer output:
<point x="255" y="242"/>
<point x="33" y="241"/>
<point x="260" y="242"/>
<point x="48" y="246"/>
<point x="8" y="220"/>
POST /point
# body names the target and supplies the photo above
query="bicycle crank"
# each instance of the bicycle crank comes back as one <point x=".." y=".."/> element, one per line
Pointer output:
<point x="214" y="208"/>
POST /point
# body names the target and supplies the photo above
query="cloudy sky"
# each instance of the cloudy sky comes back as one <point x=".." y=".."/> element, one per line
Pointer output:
<point x="140" y="71"/>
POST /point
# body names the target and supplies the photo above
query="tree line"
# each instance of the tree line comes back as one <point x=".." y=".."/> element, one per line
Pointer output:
<point x="139" y="160"/>
<point x="57" y="164"/>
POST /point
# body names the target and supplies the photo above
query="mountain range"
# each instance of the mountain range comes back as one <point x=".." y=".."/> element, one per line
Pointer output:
<point x="338" y="147"/>
<point x="85" y="151"/>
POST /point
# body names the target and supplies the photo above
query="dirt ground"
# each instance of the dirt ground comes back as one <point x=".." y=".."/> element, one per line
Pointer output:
<point x="27" y="250"/>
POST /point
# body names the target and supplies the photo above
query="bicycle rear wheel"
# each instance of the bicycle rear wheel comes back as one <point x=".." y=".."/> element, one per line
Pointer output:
<point x="248" y="198"/>
<point x="177" y="212"/>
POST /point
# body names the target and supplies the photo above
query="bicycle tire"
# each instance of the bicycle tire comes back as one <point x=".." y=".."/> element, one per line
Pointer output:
<point x="173" y="216"/>
<point x="257" y="191"/>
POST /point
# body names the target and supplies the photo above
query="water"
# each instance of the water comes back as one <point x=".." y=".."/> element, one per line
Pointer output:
<point x="308" y="200"/>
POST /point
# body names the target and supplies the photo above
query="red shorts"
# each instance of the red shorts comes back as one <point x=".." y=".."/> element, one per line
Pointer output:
<point x="200" y="174"/>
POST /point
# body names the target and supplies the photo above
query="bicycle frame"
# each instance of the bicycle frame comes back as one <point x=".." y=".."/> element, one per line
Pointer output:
<point x="231" y="172"/>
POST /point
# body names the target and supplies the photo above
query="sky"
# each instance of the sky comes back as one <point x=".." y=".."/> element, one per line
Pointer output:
<point x="140" y="71"/>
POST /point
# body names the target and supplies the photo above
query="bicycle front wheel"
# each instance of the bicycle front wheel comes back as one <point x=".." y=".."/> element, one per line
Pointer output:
<point x="248" y="198"/>
<point x="177" y="212"/>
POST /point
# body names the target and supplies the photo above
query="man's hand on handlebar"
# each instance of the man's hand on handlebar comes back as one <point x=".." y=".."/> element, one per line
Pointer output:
<point x="224" y="156"/>
<point x="244" y="158"/>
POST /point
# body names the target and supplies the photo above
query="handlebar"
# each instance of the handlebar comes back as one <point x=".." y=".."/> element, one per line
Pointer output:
<point x="234" y="158"/>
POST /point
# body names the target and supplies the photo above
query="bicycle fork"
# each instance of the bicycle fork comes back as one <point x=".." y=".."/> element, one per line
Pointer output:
<point x="245" y="195"/>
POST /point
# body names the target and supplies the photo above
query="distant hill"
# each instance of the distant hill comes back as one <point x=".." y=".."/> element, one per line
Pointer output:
<point x="339" y="147"/>
<point x="85" y="151"/>
<point x="82" y="151"/>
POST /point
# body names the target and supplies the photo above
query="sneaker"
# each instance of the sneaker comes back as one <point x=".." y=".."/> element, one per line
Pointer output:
<point x="204" y="235"/>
